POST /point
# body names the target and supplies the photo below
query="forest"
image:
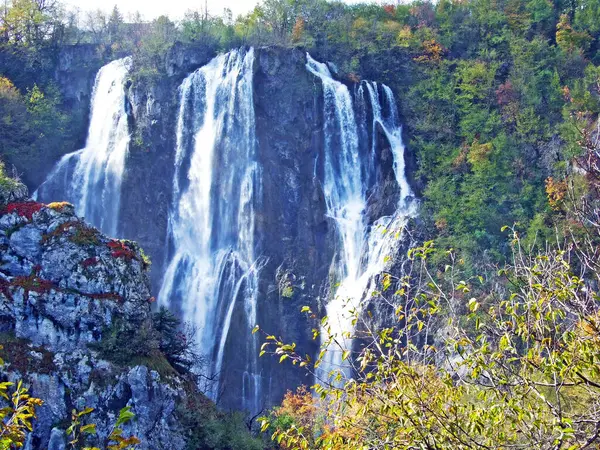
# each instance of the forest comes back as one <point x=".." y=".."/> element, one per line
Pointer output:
<point x="493" y="337"/>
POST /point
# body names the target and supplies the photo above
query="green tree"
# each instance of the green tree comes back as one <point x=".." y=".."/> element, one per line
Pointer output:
<point x="518" y="370"/>
<point x="115" y="26"/>
<point x="31" y="23"/>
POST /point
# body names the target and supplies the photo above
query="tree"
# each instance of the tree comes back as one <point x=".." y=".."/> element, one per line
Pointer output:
<point x="177" y="342"/>
<point x="115" y="26"/>
<point x="519" y="370"/>
<point x="97" y="24"/>
<point x="31" y="23"/>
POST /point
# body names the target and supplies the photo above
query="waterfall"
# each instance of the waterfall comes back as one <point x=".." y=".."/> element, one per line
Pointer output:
<point x="363" y="248"/>
<point x="217" y="187"/>
<point x="91" y="178"/>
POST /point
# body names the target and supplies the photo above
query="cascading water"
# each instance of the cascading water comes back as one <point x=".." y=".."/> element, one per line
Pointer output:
<point x="217" y="187"/>
<point x="91" y="178"/>
<point x="346" y="181"/>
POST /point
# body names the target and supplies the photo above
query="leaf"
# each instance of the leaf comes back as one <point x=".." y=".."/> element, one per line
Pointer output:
<point x="125" y="415"/>
<point x="473" y="305"/>
<point x="85" y="412"/>
<point x="89" y="428"/>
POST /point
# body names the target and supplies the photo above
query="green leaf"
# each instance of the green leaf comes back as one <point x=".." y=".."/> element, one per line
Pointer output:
<point x="125" y="415"/>
<point x="85" y="412"/>
<point x="89" y="428"/>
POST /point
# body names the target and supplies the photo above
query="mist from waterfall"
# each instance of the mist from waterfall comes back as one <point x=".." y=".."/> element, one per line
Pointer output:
<point x="217" y="187"/>
<point x="362" y="248"/>
<point x="91" y="178"/>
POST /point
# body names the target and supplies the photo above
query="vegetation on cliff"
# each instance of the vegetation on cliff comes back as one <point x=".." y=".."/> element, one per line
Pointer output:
<point x="495" y="95"/>
<point x="511" y="362"/>
<point x="500" y="101"/>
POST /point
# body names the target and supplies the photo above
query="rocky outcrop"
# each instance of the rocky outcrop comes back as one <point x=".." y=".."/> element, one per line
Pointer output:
<point x="63" y="288"/>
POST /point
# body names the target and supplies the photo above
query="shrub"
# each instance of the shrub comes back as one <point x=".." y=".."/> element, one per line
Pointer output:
<point x="123" y="342"/>
<point x="85" y="235"/>
<point x="120" y="250"/>
<point x="17" y="416"/>
<point x="516" y="368"/>
<point x="23" y="209"/>
<point x="60" y="206"/>
<point x="176" y="342"/>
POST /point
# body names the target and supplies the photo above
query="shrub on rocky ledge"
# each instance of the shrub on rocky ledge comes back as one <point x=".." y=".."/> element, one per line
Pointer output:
<point x="23" y="209"/>
<point x="85" y="235"/>
<point x="60" y="206"/>
<point x="20" y="355"/>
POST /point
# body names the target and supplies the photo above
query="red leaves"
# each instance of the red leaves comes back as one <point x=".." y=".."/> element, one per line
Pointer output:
<point x="23" y="209"/>
<point x="120" y="250"/>
<point x="506" y="94"/>
<point x="90" y="262"/>
<point x="34" y="283"/>
<point x="390" y="9"/>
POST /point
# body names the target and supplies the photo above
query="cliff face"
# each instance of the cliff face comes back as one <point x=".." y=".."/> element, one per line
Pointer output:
<point x="75" y="72"/>
<point x="146" y="188"/>
<point x="294" y="234"/>
<point x="64" y="287"/>
<point x="292" y="231"/>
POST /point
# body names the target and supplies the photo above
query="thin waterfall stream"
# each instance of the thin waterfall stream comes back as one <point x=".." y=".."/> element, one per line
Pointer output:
<point x="91" y="178"/>
<point x="363" y="248"/>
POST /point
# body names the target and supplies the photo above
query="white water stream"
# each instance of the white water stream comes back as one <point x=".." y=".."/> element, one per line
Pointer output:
<point x="212" y="222"/>
<point x="363" y="248"/>
<point x="91" y="178"/>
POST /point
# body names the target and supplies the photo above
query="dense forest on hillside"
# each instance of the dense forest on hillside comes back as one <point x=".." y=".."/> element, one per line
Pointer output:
<point x="496" y="96"/>
<point x="500" y="103"/>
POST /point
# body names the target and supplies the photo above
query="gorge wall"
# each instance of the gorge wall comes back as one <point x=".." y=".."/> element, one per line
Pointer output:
<point x="254" y="231"/>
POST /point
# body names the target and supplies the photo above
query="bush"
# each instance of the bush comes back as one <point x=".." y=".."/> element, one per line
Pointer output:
<point x="516" y="368"/>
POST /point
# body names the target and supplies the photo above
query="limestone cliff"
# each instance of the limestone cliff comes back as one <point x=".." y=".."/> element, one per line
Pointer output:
<point x="65" y="291"/>
<point x="294" y="234"/>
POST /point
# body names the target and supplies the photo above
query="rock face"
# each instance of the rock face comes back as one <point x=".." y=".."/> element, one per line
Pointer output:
<point x="146" y="188"/>
<point x="75" y="73"/>
<point x="63" y="286"/>
<point x="290" y="136"/>
<point x="294" y="234"/>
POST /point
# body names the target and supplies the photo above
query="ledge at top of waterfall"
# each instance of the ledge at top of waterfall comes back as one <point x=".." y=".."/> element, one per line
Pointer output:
<point x="362" y="246"/>
<point x="216" y="187"/>
<point x="91" y="178"/>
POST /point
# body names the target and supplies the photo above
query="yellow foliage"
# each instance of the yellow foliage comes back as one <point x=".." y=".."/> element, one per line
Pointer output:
<point x="59" y="206"/>
<point x="556" y="192"/>
<point x="569" y="39"/>
<point x="405" y="36"/>
<point x="298" y="31"/>
<point x="16" y="418"/>
<point x="8" y="89"/>
<point x="432" y="51"/>
<point x="479" y="153"/>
